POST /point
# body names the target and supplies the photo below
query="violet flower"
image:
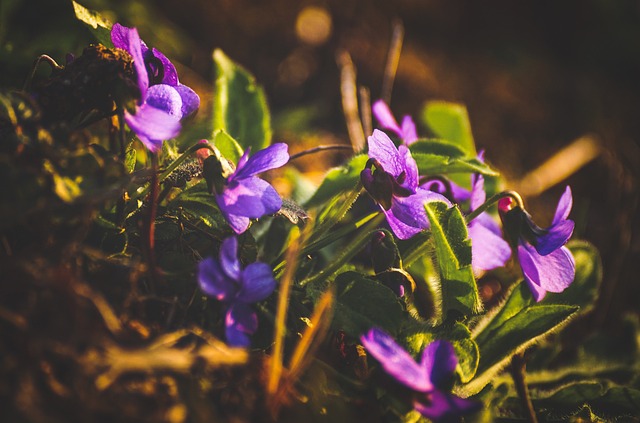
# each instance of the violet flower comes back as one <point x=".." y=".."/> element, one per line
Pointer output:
<point x="426" y="378"/>
<point x="407" y="132"/>
<point x="547" y="265"/>
<point x="225" y="280"/>
<point x="394" y="186"/>
<point x="242" y="196"/>
<point x="164" y="101"/>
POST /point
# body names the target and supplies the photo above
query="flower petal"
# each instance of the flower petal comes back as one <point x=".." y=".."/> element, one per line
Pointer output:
<point x="409" y="132"/>
<point x="166" y="98"/>
<point x="410" y="168"/>
<point x="239" y="224"/>
<point x="478" y="195"/>
<point x="556" y="236"/>
<point x="229" y="258"/>
<point x="257" y="283"/>
<point x="240" y="322"/>
<point x="382" y="149"/>
<point x="170" y="75"/>
<point x="553" y="272"/>
<point x="129" y="40"/>
<point x="214" y="282"/>
<point x="395" y="360"/>
<point x="152" y="126"/>
<point x="190" y="100"/>
<point x="385" y="118"/>
<point x="564" y="206"/>
<point x="272" y="157"/>
<point x="444" y="407"/>
<point x="439" y="361"/>
<point x="488" y="250"/>
<point x="251" y="197"/>
<point x="407" y="215"/>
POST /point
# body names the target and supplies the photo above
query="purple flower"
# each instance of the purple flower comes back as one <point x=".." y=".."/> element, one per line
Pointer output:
<point x="547" y="265"/>
<point x="407" y="132"/>
<point x="435" y="369"/>
<point x="243" y="196"/>
<point x="225" y="280"/>
<point x="163" y="99"/>
<point x="394" y="186"/>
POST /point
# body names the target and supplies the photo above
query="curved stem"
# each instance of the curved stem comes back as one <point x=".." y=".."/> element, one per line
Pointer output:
<point x="41" y="58"/>
<point x="491" y="201"/>
<point x="319" y="149"/>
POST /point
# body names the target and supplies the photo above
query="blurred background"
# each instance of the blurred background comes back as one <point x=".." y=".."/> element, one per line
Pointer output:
<point x="539" y="78"/>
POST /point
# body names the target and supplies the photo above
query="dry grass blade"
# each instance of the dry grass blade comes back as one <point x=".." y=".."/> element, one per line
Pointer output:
<point x="393" y="58"/>
<point x="350" y="100"/>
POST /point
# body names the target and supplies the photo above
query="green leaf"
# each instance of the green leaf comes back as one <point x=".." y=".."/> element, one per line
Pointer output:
<point x="228" y="147"/>
<point x="438" y="147"/>
<point x="362" y="303"/>
<point x="453" y="255"/>
<point x="339" y="180"/>
<point x="240" y="107"/>
<point x="450" y="121"/>
<point x="199" y="203"/>
<point x="130" y="158"/>
<point x="99" y="26"/>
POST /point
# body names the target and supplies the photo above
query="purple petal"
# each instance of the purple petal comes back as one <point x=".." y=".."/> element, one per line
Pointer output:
<point x="409" y="133"/>
<point x="395" y="360"/>
<point x="384" y="116"/>
<point x="272" y="157"/>
<point x="564" y="206"/>
<point x="410" y="167"/>
<point x="240" y="322"/>
<point x="488" y="249"/>
<point x="478" y="196"/>
<point x="190" y="100"/>
<point x="214" y="282"/>
<point x="133" y="45"/>
<point x="556" y="237"/>
<point x="439" y="361"/>
<point x="166" y="98"/>
<point x="251" y="197"/>
<point x="239" y="224"/>
<point x="444" y="407"/>
<point x="553" y="272"/>
<point x="152" y="126"/>
<point x="170" y="75"/>
<point x="459" y="193"/>
<point x="257" y="283"/>
<point x="382" y="149"/>
<point x="229" y="258"/>
<point x="407" y="215"/>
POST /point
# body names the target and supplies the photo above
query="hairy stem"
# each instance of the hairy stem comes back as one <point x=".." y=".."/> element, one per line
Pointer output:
<point x="518" y="371"/>
<point x="491" y="201"/>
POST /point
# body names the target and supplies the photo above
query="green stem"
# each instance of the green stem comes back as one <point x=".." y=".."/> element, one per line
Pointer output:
<point x="327" y="224"/>
<point x="151" y="220"/>
<point x="351" y="250"/>
<point x="491" y="201"/>
<point x="422" y="247"/>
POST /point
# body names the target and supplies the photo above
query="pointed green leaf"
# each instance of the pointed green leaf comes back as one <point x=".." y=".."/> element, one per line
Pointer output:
<point x="240" y="107"/>
<point x="228" y="147"/>
<point x="99" y="26"/>
<point x="339" y="180"/>
<point x="130" y="158"/>
<point x="450" y="121"/>
<point x="453" y="255"/>
<point x="362" y="303"/>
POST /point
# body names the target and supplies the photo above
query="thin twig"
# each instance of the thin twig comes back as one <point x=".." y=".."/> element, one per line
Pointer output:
<point x="151" y="220"/>
<point x="318" y="149"/>
<point x="41" y="58"/>
<point x="350" y="100"/>
<point x="393" y="58"/>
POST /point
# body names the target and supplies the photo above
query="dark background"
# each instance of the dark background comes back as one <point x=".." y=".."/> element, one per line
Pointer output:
<point x="534" y="75"/>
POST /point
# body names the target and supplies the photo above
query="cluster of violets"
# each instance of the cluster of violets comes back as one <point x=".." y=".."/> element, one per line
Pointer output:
<point x="391" y="178"/>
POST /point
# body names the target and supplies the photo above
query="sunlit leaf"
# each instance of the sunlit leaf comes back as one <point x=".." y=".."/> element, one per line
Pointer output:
<point x="99" y="25"/>
<point x="339" y="180"/>
<point x="240" y="107"/>
<point x="450" y="121"/>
